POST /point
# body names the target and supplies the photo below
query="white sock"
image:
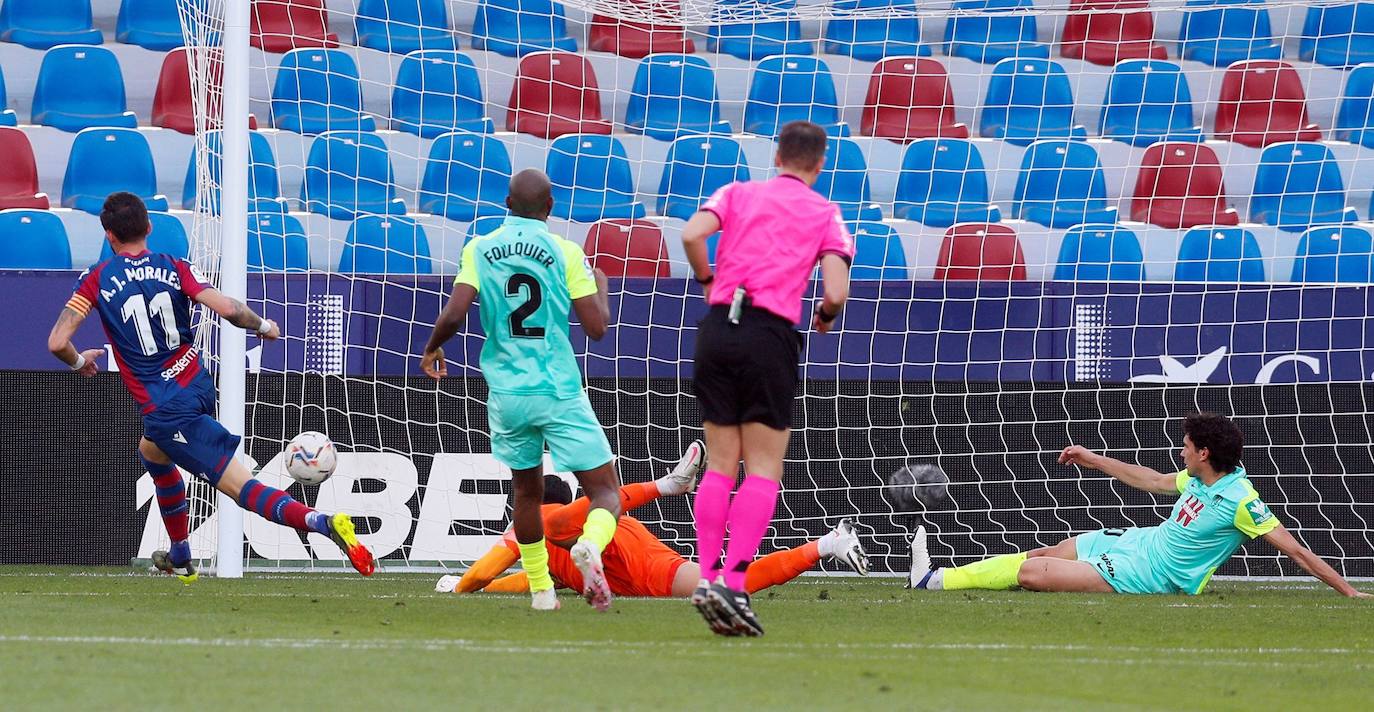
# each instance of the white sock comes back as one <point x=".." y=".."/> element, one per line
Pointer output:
<point x="826" y="544"/>
<point x="937" y="580"/>
<point x="662" y="484"/>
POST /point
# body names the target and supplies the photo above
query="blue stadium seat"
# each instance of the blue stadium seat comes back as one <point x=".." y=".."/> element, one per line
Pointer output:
<point x="467" y="175"/>
<point x="518" y="27"/>
<point x="43" y="24"/>
<point x="1220" y="36"/>
<point x="1148" y="101"/>
<point x="103" y="161"/>
<point x="872" y="39"/>
<point x="1338" y="35"/>
<point x="318" y="90"/>
<point x="385" y="244"/>
<point x="1029" y="99"/>
<point x="878" y="252"/>
<point x="674" y="95"/>
<point x="1100" y="252"/>
<point x="7" y="115"/>
<point x="591" y="178"/>
<point x="80" y="87"/>
<point x="1219" y="254"/>
<point x="150" y="24"/>
<point x="277" y="243"/>
<point x="783" y="89"/>
<point x="1355" y="117"/>
<point x="347" y="173"/>
<point x="1332" y="254"/>
<point x="1061" y="185"/>
<point x="264" y="187"/>
<point x="943" y="182"/>
<point x="34" y="239"/>
<point x="695" y="167"/>
<point x="755" y="40"/>
<point x="991" y="38"/>
<point x="485" y="225"/>
<point x="403" y="26"/>
<point x="438" y="91"/>
<point x="1298" y="185"/>
<point x="168" y="237"/>
<point x="844" y="181"/>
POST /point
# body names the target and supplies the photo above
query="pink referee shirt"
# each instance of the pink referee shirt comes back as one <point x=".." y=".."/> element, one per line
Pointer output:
<point x="771" y="235"/>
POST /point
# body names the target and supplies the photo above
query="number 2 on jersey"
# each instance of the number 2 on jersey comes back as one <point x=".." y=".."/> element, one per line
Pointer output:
<point x="533" y="299"/>
<point x="160" y="307"/>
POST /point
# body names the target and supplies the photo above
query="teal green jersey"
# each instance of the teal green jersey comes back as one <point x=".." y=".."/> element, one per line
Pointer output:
<point x="526" y="280"/>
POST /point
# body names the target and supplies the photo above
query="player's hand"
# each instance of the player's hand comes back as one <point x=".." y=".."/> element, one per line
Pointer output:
<point x="90" y="368"/>
<point x="1078" y="455"/>
<point x="433" y="364"/>
<point x="273" y="333"/>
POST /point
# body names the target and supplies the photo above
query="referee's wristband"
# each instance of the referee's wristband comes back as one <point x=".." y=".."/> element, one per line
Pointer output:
<point x="80" y="362"/>
<point x="825" y="316"/>
<point x="703" y="282"/>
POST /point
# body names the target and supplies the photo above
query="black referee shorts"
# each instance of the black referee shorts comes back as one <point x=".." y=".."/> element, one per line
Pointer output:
<point x="746" y="372"/>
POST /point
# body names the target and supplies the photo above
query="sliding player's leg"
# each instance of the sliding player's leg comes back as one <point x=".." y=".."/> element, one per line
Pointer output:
<point x="1054" y="568"/>
<point x="779" y="567"/>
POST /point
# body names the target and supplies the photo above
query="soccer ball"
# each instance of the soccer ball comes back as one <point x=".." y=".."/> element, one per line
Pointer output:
<point x="924" y="484"/>
<point x="311" y="458"/>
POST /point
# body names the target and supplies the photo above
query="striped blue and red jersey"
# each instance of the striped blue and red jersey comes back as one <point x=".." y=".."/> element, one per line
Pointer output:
<point x="144" y="302"/>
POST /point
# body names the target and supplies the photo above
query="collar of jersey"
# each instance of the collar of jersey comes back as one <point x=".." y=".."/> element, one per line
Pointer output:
<point x="517" y="221"/>
<point x="141" y="253"/>
<point x="1225" y="480"/>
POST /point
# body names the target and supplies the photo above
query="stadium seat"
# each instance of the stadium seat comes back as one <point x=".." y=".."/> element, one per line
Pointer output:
<point x="1355" y="117"/>
<point x="636" y="39"/>
<point x="347" y="173"/>
<point x="983" y="251"/>
<point x="283" y="25"/>
<point x="991" y="38"/>
<point x="873" y="38"/>
<point x="403" y="26"/>
<point x="910" y="98"/>
<point x="103" y="161"/>
<point x="694" y="168"/>
<point x="277" y="243"/>
<point x="1061" y="185"/>
<point x="1100" y="252"/>
<point x="755" y="40"/>
<point x="438" y="91"/>
<point x="34" y="239"/>
<point x="264" y="191"/>
<point x="80" y="87"/>
<point x="942" y="183"/>
<point x="844" y="181"/>
<point x="555" y="93"/>
<point x="168" y="238"/>
<point x="1298" y="185"/>
<point x="173" y="107"/>
<point x="43" y="24"/>
<point x="385" y="244"/>
<point x="627" y="248"/>
<point x="1027" y="100"/>
<point x="1262" y="102"/>
<point x="674" y="95"/>
<point x="592" y="179"/>
<point x="318" y="90"/>
<point x="1179" y="185"/>
<point x="1148" y="101"/>
<point x="878" y="252"/>
<point x="1222" y="36"/>
<point x="1101" y="32"/>
<point x="467" y="175"/>
<point x="1219" y="254"/>
<point x="18" y="173"/>
<point x="783" y="89"/>
<point x="7" y="115"/>
<point x="1338" y="35"/>
<point x="150" y="24"/>
<point x="518" y="27"/>
<point x="1334" y="254"/>
<point x="483" y="226"/>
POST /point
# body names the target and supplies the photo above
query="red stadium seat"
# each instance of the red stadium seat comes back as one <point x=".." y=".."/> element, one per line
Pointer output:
<point x="172" y="106"/>
<point x="1112" y="36"/>
<point x="283" y="25"/>
<point x="555" y="93"/>
<point x="1262" y="102"/>
<point x="910" y="98"/>
<point x="1180" y="186"/>
<point x="986" y="251"/>
<point x="636" y="40"/>
<point x="18" y="174"/>
<point x="627" y="248"/>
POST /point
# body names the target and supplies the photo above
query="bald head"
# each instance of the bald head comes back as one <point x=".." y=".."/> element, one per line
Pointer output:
<point x="531" y="195"/>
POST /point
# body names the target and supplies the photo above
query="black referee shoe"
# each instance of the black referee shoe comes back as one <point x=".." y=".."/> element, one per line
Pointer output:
<point x="734" y="606"/>
<point x="710" y="612"/>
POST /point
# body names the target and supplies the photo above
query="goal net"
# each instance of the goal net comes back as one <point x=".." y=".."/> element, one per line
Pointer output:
<point x="1075" y="225"/>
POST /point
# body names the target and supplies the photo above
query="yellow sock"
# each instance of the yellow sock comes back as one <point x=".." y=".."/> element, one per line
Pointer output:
<point x="995" y="574"/>
<point x="534" y="558"/>
<point x="598" y="529"/>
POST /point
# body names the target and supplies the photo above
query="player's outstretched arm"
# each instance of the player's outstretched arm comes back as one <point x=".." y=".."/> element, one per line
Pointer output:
<point x="1284" y="541"/>
<point x="594" y="310"/>
<point x="237" y="313"/>
<point x="449" y="322"/>
<point x="60" y="343"/>
<point x="1137" y="476"/>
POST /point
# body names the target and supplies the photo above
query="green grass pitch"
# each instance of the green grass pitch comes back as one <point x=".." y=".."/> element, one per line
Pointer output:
<point x="108" y="639"/>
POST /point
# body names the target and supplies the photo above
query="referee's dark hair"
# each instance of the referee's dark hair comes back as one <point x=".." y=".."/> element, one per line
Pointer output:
<point x="125" y="216"/>
<point x="556" y="490"/>
<point x="801" y="145"/>
<point x="1219" y="436"/>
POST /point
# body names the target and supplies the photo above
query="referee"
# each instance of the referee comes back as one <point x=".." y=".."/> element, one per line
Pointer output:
<point x="772" y="234"/>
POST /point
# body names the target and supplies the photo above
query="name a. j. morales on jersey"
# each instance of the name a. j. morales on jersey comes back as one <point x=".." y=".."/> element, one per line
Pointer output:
<point x="139" y="273"/>
<point x="519" y="249"/>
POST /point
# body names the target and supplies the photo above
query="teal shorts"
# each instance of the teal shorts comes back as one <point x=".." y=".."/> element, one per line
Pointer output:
<point x="1119" y="556"/>
<point x="521" y="425"/>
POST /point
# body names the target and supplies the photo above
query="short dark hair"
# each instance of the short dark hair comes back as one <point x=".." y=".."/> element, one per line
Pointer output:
<point x="1222" y="439"/>
<point x="801" y="144"/>
<point x="556" y="490"/>
<point x="125" y="216"/>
